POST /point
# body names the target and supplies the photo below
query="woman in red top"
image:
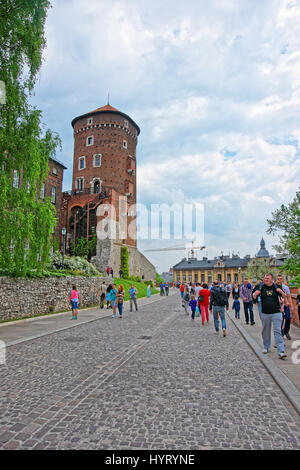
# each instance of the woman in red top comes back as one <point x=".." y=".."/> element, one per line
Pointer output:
<point x="204" y="295"/>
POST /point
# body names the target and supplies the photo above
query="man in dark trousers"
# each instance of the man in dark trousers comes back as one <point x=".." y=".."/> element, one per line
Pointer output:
<point x="270" y="295"/>
<point x="217" y="302"/>
<point x="246" y="295"/>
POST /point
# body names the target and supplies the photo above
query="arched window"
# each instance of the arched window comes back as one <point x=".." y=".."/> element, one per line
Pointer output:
<point x="96" y="186"/>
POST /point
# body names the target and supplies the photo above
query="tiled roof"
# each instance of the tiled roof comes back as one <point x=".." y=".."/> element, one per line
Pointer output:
<point x="107" y="107"/>
<point x="209" y="264"/>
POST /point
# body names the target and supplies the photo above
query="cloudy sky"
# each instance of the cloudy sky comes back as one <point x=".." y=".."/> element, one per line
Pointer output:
<point x="214" y="87"/>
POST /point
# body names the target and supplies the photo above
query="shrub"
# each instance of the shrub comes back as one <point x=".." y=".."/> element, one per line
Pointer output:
<point x="75" y="264"/>
<point x="125" y="261"/>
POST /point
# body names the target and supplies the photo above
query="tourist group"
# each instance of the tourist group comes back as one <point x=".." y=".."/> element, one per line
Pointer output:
<point x="273" y="300"/>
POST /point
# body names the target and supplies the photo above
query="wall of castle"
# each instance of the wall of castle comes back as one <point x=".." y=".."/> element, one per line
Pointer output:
<point x="21" y="298"/>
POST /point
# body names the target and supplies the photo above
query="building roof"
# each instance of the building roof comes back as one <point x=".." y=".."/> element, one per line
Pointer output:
<point x="58" y="162"/>
<point x="194" y="263"/>
<point x="107" y="109"/>
<point x="263" y="253"/>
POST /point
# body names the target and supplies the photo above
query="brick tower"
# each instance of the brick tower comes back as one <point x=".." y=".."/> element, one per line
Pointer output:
<point x="104" y="169"/>
<point x="105" y="143"/>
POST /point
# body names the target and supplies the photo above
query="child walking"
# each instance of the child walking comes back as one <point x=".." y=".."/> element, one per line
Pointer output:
<point x="74" y="298"/>
<point x="236" y="306"/>
<point x="193" y="305"/>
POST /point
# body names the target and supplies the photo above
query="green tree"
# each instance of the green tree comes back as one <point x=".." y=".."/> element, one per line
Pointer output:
<point x="26" y="222"/>
<point x="286" y="221"/>
<point x="257" y="267"/>
<point x="83" y="248"/>
<point x="125" y="261"/>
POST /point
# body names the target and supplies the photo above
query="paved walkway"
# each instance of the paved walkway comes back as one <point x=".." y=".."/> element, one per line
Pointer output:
<point x="285" y="372"/>
<point x="31" y="328"/>
<point x="153" y="380"/>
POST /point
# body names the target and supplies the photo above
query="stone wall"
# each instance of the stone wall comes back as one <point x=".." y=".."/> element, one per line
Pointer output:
<point x="109" y="254"/>
<point x="27" y="297"/>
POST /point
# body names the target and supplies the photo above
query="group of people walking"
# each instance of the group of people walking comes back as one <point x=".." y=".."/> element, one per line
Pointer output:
<point x="114" y="298"/>
<point x="203" y="298"/>
<point x="111" y="295"/>
<point x="273" y="300"/>
<point x="164" y="288"/>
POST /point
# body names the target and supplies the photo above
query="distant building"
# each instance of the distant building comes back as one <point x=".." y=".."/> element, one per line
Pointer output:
<point x="168" y="276"/>
<point x="206" y="270"/>
<point x="223" y="268"/>
<point x="263" y="253"/>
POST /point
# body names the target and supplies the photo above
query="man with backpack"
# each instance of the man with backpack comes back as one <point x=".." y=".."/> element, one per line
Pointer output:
<point x="217" y="303"/>
<point x="186" y="300"/>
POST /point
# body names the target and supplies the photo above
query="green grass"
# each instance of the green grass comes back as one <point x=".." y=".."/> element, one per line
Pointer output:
<point x="140" y="286"/>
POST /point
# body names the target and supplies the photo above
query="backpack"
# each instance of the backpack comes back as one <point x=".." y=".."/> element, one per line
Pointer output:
<point x="187" y="297"/>
<point x="220" y="297"/>
<point x="200" y="298"/>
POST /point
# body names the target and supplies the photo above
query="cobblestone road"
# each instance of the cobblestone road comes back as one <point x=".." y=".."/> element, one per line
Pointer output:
<point x="154" y="380"/>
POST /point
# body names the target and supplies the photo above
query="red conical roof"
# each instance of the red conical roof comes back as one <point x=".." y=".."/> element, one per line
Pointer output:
<point x="107" y="107"/>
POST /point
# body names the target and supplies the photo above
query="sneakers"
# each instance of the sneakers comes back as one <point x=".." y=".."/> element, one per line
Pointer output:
<point x="253" y="323"/>
<point x="265" y="351"/>
<point x="224" y="332"/>
<point x="282" y="356"/>
<point x="216" y="332"/>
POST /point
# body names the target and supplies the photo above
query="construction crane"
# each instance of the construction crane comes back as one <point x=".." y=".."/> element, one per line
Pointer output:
<point x="179" y="248"/>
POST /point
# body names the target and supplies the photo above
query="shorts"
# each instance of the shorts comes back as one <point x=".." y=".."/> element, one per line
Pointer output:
<point x="74" y="304"/>
<point x="113" y="303"/>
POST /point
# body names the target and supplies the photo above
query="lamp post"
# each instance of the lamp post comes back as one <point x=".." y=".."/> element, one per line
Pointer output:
<point x="63" y="232"/>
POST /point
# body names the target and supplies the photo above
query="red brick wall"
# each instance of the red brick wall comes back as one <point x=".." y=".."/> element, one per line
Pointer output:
<point x="295" y="317"/>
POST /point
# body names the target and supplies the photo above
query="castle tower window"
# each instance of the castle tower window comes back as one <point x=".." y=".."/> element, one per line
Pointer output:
<point x="96" y="186"/>
<point x="125" y="144"/>
<point x="81" y="165"/>
<point x="79" y="184"/>
<point x="97" y="160"/>
<point x="89" y="141"/>
<point x="54" y="171"/>
<point x="90" y="121"/>
<point x="126" y="124"/>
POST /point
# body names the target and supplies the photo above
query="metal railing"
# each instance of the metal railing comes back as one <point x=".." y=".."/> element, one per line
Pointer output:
<point x="102" y="193"/>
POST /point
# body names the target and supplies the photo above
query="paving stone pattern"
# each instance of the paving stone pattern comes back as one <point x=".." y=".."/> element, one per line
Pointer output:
<point x="153" y="380"/>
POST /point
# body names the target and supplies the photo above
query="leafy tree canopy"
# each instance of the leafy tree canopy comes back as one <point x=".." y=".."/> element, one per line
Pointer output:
<point x="26" y="222"/>
<point x="286" y="221"/>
